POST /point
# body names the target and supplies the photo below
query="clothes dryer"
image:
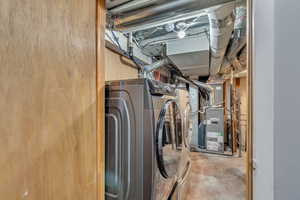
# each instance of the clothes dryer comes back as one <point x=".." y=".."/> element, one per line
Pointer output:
<point x="143" y="145"/>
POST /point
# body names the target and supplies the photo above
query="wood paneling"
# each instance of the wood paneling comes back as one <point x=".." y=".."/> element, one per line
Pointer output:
<point x="116" y="69"/>
<point x="48" y="139"/>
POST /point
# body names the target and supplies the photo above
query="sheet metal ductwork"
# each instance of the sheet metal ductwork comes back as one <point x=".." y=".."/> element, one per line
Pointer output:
<point x="238" y="41"/>
<point x="141" y="12"/>
<point x="190" y="55"/>
<point x="221" y="22"/>
<point x="240" y="31"/>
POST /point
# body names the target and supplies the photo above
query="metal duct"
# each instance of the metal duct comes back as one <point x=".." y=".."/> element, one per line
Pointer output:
<point x="148" y="69"/>
<point x="190" y="55"/>
<point x="156" y="65"/>
<point x="135" y="14"/>
<point x="226" y="66"/>
<point x="239" y="34"/>
<point x="131" y="6"/>
<point x="204" y="86"/>
<point x="221" y="22"/>
<point x="239" y="39"/>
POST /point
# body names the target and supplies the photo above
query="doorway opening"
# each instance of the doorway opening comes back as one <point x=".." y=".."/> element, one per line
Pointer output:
<point x="196" y="53"/>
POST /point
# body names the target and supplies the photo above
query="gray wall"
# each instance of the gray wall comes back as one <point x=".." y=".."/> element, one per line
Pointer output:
<point x="276" y="99"/>
<point x="263" y="99"/>
<point x="287" y="100"/>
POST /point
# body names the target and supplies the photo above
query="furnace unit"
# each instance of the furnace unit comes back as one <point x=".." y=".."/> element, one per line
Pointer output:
<point x="215" y="129"/>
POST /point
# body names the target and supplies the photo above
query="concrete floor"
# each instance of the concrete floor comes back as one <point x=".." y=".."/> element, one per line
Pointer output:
<point x="215" y="177"/>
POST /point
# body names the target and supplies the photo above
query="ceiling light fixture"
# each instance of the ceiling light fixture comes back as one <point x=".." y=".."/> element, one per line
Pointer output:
<point x="181" y="34"/>
<point x="169" y="27"/>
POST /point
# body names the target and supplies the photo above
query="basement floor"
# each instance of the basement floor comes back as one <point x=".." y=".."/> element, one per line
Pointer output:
<point x="215" y="177"/>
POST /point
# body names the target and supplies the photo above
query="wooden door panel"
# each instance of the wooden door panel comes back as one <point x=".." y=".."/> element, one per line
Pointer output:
<point x="48" y="136"/>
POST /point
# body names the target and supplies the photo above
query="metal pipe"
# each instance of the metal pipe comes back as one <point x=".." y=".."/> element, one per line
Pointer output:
<point x="208" y="89"/>
<point x="156" y="23"/>
<point x="204" y="86"/>
<point x="154" y="11"/>
<point x="156" y="65"/>
<point x="132" y="5"/>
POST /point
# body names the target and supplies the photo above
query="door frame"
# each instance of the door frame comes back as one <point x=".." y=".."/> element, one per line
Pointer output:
<point x="100" y="82"/>
<point x="100" y="28"/>
<point x="249" y="158"/>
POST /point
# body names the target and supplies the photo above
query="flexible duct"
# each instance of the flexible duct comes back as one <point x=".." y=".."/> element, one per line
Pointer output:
<point x="221" y="22"/>
<point x="145" y="12"/>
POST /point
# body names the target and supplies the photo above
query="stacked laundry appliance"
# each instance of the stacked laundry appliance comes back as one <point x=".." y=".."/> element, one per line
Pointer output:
<point x="144" y="141"/>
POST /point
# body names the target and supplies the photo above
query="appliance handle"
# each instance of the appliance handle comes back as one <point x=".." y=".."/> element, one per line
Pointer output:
<point x="186" y="173"/>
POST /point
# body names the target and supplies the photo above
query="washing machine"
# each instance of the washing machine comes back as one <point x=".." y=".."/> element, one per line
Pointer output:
<point x="143" y="140"/>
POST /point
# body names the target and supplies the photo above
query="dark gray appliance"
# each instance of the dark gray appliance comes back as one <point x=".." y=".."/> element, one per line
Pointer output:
<point x="143" y="142"/>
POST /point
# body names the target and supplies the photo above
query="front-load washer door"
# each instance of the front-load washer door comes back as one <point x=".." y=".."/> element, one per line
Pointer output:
<point x="169" y="139"/>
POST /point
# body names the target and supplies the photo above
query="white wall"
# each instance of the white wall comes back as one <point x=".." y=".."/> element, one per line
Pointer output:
<point x="263" y="98"/>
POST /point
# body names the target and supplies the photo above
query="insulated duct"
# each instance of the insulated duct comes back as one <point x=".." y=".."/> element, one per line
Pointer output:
<point x="221" y="22"/>
<point x="143" y="12"/>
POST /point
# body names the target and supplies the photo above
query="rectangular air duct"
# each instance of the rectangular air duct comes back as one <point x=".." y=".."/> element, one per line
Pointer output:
<point x="190" y="55"/>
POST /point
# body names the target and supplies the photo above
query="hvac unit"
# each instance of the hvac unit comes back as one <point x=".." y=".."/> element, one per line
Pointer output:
<point x="215" y="129"/>
<point x="218" y="93"/>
